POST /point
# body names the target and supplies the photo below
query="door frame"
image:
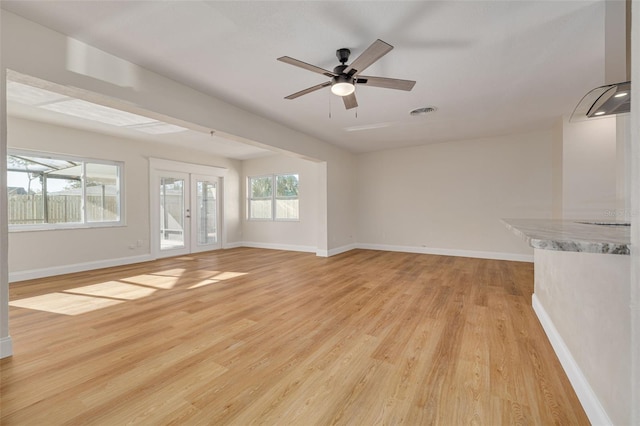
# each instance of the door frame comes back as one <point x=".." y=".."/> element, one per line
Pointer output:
<point x="156" y="167"/>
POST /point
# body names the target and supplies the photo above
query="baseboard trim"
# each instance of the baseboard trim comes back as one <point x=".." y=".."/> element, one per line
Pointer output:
<point x="88" y="266"/>
<point x="6" y="347"/>
<point x="590" y="402"/>
<point x="77" y="267"/>
<point x="337" y="250"/>
<point x="232" y="245"/>
<point x="429" y="250"/>
<point x="450" y="252"/>
<point x="273" y="246"/>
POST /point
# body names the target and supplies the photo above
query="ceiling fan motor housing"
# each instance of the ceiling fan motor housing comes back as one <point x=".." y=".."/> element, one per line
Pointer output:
<point x="343" y="55"/>
<point x="342" y="78"/>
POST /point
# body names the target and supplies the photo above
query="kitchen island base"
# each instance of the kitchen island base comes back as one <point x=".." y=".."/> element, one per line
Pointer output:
<point x="582" y="301"/>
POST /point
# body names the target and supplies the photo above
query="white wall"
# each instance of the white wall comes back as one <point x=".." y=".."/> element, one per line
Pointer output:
<point x="299" y="235"/>
<point x="36" y="250"/>
<point x="342" y="213"/>
<point x="450" y="197"/>
<point x="556" y="172"/>
<point x="589" y="169"/>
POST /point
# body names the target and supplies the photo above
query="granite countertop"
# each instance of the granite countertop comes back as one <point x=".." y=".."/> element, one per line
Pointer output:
<point x="589" y="236"/>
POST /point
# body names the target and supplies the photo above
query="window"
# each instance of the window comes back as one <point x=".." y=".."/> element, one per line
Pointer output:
<point x="266" y="204"/>
<point x="50" y="191"/>
<point x="261" y="197"/>
<point x="287" y="197"/>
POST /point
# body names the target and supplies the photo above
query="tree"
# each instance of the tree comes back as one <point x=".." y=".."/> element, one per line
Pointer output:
<point x="261" y="187"/>
<point x="287" y="185"/>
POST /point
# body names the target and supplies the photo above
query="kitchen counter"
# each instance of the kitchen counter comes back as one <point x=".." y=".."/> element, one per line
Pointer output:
<point x="588" y="236"/>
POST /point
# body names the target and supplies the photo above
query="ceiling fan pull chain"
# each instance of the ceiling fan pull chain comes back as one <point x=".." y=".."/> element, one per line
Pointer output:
<point x="355" y="92"/>
<point x="329" y="105"/>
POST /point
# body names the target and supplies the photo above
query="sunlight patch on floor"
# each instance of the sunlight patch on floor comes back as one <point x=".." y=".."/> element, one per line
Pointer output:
<point x="156" y="281"/>
<point x="177" y="272"/>
<point x="202" y="273"/>
<point x="92" y="297"/>
<point x="217" y="277"/>
<point x="115" y="290"/>
<point x="227" y="275"/>
<point x="204" y="283"/>
<point x="65" y="304"/>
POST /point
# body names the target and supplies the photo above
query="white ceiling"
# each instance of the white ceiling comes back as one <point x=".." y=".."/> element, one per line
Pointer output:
<point x="490" y="67"/>
<point x="27" y="98"/>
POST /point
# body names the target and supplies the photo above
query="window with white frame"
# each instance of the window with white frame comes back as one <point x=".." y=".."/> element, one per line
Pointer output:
<point x="273" y="197"/>
<point x="48" y="191"/>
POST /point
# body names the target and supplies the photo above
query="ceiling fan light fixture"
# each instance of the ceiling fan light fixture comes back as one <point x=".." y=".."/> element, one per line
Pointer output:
<point x="343" y="89"/>
<point x="342" y="85"/>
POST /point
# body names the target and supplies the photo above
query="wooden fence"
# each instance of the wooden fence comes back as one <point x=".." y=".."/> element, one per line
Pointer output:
<point x="29" y="209"/>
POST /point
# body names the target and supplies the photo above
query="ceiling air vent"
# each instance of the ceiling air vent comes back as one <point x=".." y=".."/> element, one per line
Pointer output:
<point x="423" y="111"/>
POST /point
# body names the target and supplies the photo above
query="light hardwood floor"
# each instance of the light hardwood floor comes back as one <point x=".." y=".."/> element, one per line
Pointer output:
<point x="250" y="336"/>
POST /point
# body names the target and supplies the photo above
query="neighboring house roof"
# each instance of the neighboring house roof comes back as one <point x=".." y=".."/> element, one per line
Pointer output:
<point x="91" y="190"/>
<point x="16" y="190"/>
<point x="109" y="190"/>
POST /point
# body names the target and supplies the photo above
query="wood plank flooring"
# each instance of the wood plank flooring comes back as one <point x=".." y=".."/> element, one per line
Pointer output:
<point x="250" y="336"/>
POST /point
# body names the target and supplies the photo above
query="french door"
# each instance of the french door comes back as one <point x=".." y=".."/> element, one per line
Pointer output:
<point x="187" y="213"/>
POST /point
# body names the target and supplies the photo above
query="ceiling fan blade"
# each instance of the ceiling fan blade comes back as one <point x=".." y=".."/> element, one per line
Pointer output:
<point x="308" y="90"/>
<point x="374" y="52"/>
<point x="306" y="66"/>
<point x="387" y="83"/>
<point x="350" y="101"/>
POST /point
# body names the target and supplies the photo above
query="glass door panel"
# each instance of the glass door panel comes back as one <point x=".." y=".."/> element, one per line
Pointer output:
<point x="173" y="213"/>
<point x="205" y="207"/>
<point x="206" y="212"/>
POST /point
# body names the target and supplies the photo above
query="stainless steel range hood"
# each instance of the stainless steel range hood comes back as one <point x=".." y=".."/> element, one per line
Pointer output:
<point x="612" y="99"/>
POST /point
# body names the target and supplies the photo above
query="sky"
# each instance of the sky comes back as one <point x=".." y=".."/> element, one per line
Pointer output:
<point x="17" y="179"/>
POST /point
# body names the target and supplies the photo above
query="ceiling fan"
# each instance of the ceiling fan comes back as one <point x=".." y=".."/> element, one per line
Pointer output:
<point x="344" y="77"/>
